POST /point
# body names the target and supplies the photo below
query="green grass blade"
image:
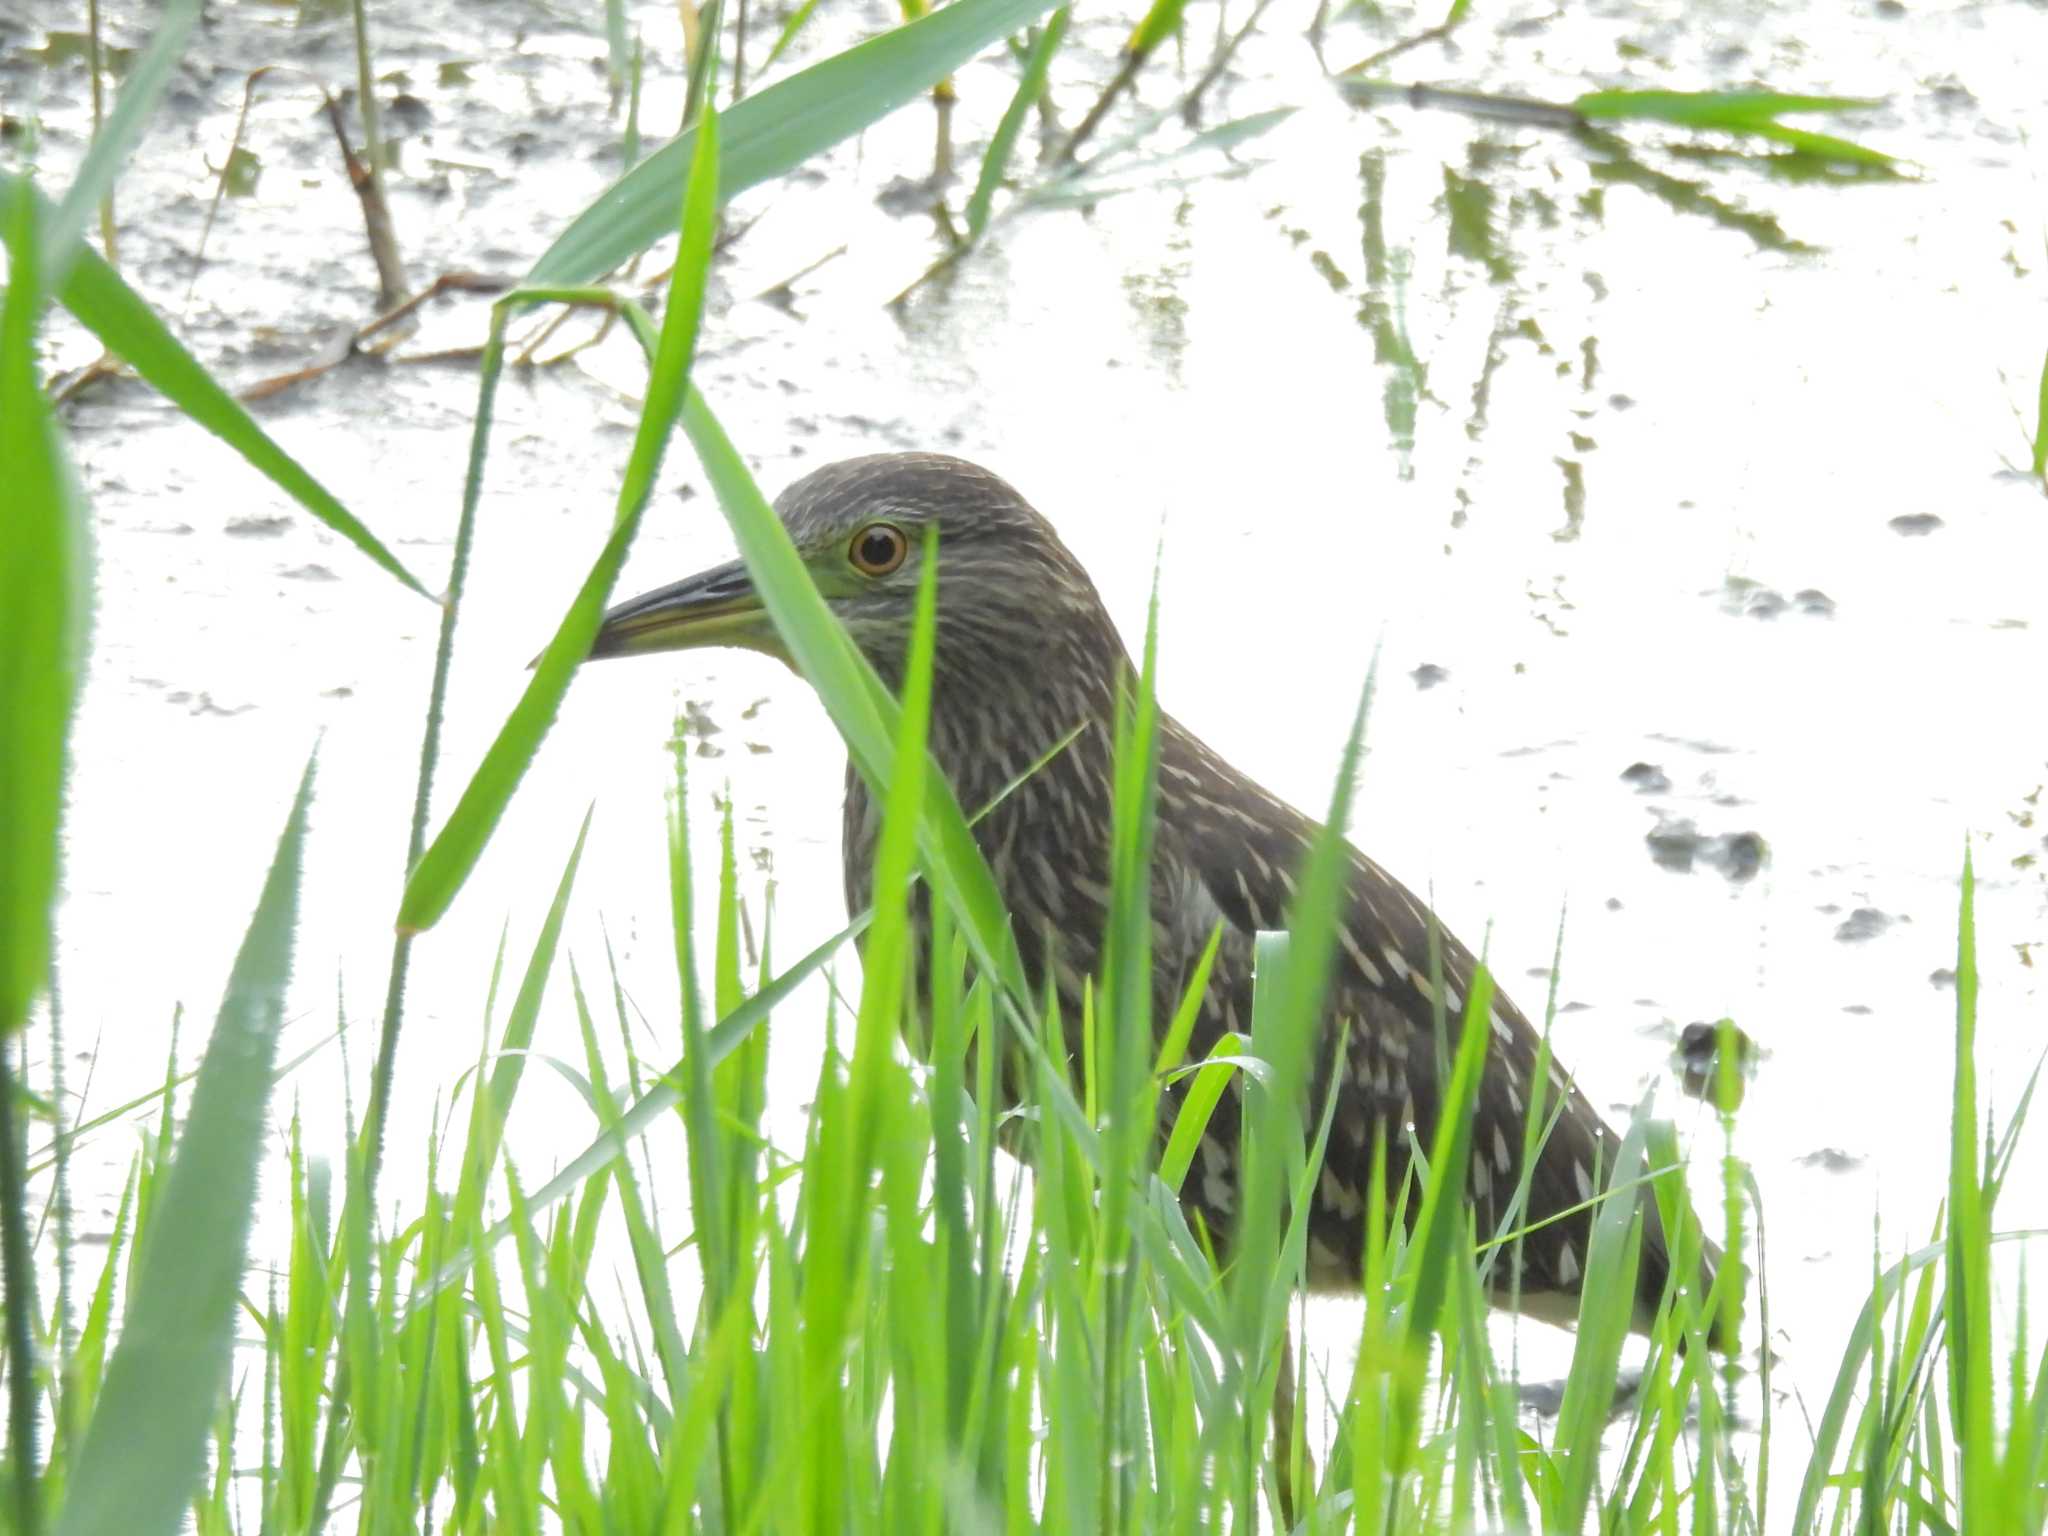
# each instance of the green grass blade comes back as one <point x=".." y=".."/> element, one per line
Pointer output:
<point x="781" y="127"/>
<point x="2041" y="426"/>
<point x="141" y="1456"/>
<point x="1191" y="1121"/>
<point x="1969" y="1241"/>
<point x="1160" y="21"/>
<point x="90" y="1358"/>
<point x="494" y="1100"/>
<point x="658" y="1101"/>
<point x="1442" y="1219"/>
<point x="1130" y="1117"/>
<point x="1713" y="109"/>
<point x="1029" y="86"/>
<point x="1739" y="112"/>
<point x="1606" y="1303"/>
<point x="104" y="304"/>
<point x="646" y="1243"/>
<point x="142" y="89"/>
<point x="451" y="856"/>
<point x="705" y="1136"/>
<point x="618" y="57"/>
<point x="858" y="703"/>
<point x="798" y="19"/>
<point x="45" y="605"/>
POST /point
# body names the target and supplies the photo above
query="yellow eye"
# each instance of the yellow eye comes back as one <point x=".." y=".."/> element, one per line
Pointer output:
<point x="878" y="549"/>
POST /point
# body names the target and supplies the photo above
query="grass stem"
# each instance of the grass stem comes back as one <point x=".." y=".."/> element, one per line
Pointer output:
<point x="18" y="1266"/>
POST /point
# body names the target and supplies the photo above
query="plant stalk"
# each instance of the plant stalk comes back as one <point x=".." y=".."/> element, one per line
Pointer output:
<point x="21" y="1305"/>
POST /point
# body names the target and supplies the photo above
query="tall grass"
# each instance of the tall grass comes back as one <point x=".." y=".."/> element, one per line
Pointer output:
<point x="891" y="1328"/>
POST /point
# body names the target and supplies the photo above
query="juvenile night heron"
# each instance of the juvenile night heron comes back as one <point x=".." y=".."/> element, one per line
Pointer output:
<point x="1025" y="654"/>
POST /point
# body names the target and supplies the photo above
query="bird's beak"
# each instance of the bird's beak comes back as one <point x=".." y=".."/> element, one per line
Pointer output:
<point x="714" y="607"/>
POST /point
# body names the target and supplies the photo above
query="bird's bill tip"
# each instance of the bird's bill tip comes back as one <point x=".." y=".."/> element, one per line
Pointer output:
<point x="715" y="607"/>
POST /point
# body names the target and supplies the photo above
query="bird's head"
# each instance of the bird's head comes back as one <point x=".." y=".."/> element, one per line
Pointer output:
<point x="1011" y="599"/>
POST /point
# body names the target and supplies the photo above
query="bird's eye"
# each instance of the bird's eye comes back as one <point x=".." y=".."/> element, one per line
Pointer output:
<point x="879" y="549"/>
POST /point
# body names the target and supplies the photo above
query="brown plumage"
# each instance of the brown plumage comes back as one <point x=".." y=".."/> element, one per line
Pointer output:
<point x="1025" y="654"/>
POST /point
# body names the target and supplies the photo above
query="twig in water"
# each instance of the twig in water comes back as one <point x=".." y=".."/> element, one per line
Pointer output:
<point x="1436" y="34"/>
<point x="447" y="282"/>
<point x="1126" y="73"/>
<point x="783" y="294"/>
<point x="391" y="286"/>
<point x="1507" y="109"/>
<point x="1191" y="105"/>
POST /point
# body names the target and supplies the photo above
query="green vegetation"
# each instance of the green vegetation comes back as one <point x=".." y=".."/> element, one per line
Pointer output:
<point x="890" y="1327"/>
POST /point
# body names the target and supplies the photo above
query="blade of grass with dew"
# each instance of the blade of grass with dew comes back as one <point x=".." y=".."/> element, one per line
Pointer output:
<point x="124" y="323"/>
<point x="1173" y="1045"/>
<point x="1270" y="1149"/>
<point x="1969" y="1241"/>
<point x="306" y="1337"/>
<point x="45" y="609"/>
<point x="1191" y="1121"/>
<point x="1130" y="1122"/>
<point x="448" y="860"/>
<point x="1292" y="1269"/>
<point x="1684" y="1240"/>
<point x="141" y="1456"/>
<point x="1606" y="1305"/>
<point x="779" y="128"/>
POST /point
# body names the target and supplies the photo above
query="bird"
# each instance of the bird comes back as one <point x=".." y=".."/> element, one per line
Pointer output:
<point x="1027" y="657"/>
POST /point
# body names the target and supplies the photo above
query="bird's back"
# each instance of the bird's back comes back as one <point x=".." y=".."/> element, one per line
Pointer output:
<point x="1227" y="852"/>
<point x="1397" y="994"/>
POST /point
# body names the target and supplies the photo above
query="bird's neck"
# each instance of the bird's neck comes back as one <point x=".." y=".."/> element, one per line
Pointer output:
<point x="998" y="709"/>
<point x="989" y="732"/>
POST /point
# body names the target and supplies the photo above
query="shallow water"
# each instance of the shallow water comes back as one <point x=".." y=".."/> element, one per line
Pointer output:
<point x="1712" y="474"/>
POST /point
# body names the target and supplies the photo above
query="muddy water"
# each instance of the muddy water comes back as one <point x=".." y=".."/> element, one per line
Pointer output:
<point x="1675" y="493"/>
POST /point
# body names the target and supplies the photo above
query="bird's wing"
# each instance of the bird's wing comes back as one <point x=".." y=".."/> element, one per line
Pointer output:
<point x="1247" y="846"/>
